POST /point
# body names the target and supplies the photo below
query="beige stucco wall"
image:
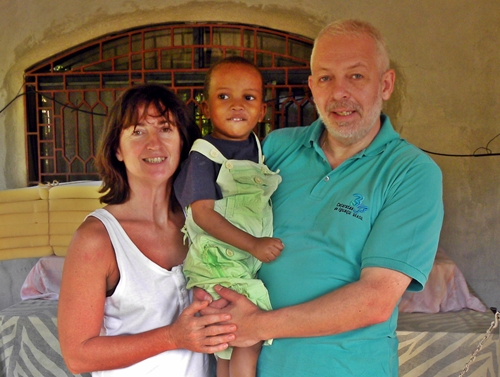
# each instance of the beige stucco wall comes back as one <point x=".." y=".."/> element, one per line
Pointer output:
<point x="446" y="53"/>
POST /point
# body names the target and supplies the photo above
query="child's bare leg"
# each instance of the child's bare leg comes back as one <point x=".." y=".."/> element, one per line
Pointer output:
<point x="222" y="367"/>
<point x="243" y="361"/>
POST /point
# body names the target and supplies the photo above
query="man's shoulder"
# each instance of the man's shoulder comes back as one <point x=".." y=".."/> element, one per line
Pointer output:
<point x="290" y="135"/>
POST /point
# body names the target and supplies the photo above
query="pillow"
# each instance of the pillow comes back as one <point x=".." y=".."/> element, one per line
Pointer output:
<point x="44" y="279"/>
<point x="445" y="291"/>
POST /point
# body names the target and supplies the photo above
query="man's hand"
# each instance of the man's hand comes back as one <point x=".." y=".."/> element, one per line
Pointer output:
<point x="244" y="314"/>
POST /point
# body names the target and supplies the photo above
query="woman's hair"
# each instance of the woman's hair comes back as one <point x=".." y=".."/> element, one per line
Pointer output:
<point x="124" y="114"/>
<point x="230" y="60"/>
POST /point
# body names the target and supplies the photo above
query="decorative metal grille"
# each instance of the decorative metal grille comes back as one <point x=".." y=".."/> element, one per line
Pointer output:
<point x="69" y="96"/>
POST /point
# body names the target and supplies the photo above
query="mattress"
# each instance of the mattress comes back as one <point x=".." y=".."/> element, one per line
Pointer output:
<point x="430" y="345"/>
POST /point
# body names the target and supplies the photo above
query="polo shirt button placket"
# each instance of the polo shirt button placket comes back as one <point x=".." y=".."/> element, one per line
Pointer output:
<point x="326" y="179"/>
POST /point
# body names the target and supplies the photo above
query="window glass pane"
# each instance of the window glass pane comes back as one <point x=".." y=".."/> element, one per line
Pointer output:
<point x="122" y="64"/>
<point x="271" y="42"/>
<point x="157" y="39"/>
<point x="209" y="56"/>
<point x="97" y="125"/>
<point x="150" y="60"/>
<point x="70" y="134"/>
<point x="189" y="79"/>
<point x="77" y="166"/>
<point x="46" y="132"/>
<point x="275" y="77"/>
<point x="47" y="165"/>
<point x="62" y="164"/>
<point x="100" y="67"/>
<point x="58" y="133"/>
<point x="264" y="60"/>
<point x="282" y="61"/>
<point x="51" y="83"/>
<point x="83" y="81"/>
<point x="136" y="42"/>
<point x="249" y="39"/>
<point x="115" y="48"/>
<point x="176" y="58"/>
<point x="183" y="36"/>
<point x="226" y="37"/>
<point x="299" y="49"/>
<point x="84" y="133"/>
<point x="83" y="57"/>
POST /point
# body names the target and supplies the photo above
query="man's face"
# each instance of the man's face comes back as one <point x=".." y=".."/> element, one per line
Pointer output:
<point x="349" y="86"/>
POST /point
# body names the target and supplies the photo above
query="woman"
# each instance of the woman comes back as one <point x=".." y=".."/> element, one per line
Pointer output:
<point x="124" y="309"/>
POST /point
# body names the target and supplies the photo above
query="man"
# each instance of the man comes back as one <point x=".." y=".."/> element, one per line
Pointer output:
<point x="359" y="211"/>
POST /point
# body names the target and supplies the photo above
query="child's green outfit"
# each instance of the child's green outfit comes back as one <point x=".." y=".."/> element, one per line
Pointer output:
<point x="246" y="189"/>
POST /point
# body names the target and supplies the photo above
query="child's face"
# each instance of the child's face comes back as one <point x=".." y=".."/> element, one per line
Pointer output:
<point x="235" y="104"/>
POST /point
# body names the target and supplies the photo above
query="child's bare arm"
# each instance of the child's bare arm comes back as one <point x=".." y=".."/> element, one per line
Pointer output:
<point x="266" y="249"/>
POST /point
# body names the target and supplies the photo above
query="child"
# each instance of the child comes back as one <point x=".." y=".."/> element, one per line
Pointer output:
<point x="226" y="189"/>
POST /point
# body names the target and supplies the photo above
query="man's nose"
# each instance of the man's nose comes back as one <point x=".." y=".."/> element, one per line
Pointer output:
<point x="340" y="90"/>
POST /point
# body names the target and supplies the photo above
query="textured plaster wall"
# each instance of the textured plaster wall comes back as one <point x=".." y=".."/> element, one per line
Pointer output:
<point x="446" y="53"/>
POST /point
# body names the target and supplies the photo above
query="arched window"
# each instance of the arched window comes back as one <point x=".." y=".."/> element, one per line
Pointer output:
<point x="69" y="95"/>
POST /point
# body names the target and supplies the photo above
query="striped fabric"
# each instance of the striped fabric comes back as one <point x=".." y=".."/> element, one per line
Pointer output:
<point x="29" y="344"/>
<point x="430" y="345"/>
<point x="440" y="344"/>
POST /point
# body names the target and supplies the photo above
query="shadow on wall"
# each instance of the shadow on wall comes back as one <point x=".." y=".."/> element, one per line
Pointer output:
<point x="394" y="106"/>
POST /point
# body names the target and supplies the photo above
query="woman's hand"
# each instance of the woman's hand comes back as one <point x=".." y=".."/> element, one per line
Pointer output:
<point x="207" y="334"/>
<point x="200" y="294"/>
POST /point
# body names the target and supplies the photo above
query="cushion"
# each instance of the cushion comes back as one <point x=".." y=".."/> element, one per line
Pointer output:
<point x="44" y="279"/>
<point x="445" y="291"/>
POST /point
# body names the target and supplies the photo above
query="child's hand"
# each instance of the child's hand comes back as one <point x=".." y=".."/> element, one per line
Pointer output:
<point x="266" y="249"/>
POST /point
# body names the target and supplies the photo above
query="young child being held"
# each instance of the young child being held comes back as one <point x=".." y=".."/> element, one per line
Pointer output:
<point x="226" y="188"/>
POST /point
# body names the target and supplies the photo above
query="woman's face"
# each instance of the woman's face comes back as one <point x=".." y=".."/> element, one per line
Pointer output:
<point x="150" y="149"/>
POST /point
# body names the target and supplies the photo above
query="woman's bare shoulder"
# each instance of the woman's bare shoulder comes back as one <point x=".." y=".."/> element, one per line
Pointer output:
<point x="91" y="240"/>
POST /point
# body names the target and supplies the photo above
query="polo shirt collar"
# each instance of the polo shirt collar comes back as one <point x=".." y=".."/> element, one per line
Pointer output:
<point x="385" y="135"/>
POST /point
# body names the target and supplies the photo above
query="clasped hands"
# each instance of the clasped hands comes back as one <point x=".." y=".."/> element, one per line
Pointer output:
<point x="244" y="314"/>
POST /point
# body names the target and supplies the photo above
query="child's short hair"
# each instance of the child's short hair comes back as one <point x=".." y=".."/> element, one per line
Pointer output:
<point x="230" y="60"/>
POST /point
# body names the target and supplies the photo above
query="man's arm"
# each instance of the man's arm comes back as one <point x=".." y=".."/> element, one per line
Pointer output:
<point x="368" y="301"/>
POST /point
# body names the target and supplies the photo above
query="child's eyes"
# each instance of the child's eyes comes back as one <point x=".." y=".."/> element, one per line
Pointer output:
<point x="250" y="98"/>
<point x="223" y="96"/>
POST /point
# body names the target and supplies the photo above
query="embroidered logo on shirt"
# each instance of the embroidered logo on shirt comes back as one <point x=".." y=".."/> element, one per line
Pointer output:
<point x="355" y="208"/>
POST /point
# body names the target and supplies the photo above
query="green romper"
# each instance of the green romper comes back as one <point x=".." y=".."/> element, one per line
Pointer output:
<point x="246" y="189"/>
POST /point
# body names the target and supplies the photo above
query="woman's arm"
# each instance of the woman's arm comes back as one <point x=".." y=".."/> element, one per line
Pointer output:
<point x="89" y="272"/>
<point x="266" y="249"/>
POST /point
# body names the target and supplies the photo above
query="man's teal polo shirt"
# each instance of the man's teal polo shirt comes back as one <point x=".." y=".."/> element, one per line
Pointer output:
<point x="382" y="207"/>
